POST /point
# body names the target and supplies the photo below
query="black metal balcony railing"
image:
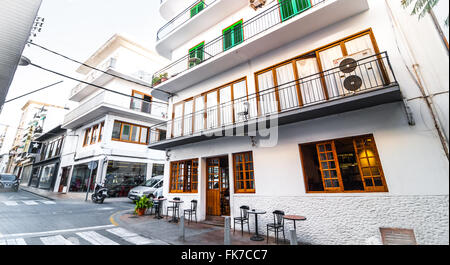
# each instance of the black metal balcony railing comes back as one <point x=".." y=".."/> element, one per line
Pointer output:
<point x="372" y="73"/>
<point x="251" y="28"/>
<point x="180" y="19"/>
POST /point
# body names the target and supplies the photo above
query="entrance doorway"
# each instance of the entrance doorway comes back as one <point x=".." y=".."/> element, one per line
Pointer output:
<point x="218" y="187"/>
<point x="64" y="179"/>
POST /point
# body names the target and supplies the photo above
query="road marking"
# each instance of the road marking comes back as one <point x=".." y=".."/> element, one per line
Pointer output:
<point x="30" y="202"/>
<point x="48" y="233"/>
<point x="130" y="237"/>
<point x="55" y="240"/>
<point x="10" y="203"/>
<point x="95" y="238"/>
<point x="47" y="202"/>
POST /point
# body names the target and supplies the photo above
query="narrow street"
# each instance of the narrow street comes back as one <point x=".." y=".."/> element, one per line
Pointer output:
<point x="28" y="219"/>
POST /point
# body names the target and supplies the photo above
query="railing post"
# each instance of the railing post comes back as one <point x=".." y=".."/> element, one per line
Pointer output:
<point x="293" y="237"/>
<point x="227" y="231"/>
<point x="181" y="228"/>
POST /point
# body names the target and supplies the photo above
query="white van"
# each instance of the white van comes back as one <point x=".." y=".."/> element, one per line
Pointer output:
<point x="152" y="186"/>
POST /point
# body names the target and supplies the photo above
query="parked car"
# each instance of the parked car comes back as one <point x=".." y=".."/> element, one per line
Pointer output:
<point x="149" y="188"/>
<point x="9" y="182"/>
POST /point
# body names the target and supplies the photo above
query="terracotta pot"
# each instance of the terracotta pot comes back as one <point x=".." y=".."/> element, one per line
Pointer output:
<point x="163" y="79"/>
<point x="141" y="212"/>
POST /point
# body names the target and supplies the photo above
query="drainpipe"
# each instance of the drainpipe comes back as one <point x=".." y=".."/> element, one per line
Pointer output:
<point x="418" y="79"/>
<point x="439" y="29"/>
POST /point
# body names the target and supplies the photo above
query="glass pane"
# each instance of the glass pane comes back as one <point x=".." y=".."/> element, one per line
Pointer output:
<point x="126" y="132"/>
<point x="144" y="132"/>
<point x="324" y="165"/>
<point x="135" y="134"/>
<point x="377" y="181"/>
<point x="116" y="130"/>
<point x="369" y="182"/>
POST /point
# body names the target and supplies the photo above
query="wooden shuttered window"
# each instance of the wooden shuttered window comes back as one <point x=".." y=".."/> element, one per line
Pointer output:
<point x="244" y="177"/>
<point x="184" y="176"/>
<point x="343" y="165"/>
<point x="196" y="54"/>
<point x="233" y="35"/>
<point x="290" y="8"/>
<point x="197" y="8"/>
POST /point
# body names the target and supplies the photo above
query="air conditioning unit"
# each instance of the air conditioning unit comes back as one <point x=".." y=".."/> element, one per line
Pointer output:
<point x="358" y="71"/>
<point x="255" y="4"/>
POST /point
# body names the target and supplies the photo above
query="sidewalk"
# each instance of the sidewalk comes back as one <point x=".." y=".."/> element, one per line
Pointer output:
<point x="195" y="233"/>
<point x="75" y="196"/>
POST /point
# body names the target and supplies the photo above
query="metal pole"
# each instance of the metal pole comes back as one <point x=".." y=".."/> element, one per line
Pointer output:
<point x="293" y="237"/>
<point x="181" y="228"/>
<point x="88" y="185"/>
<point x="227" y="231"/>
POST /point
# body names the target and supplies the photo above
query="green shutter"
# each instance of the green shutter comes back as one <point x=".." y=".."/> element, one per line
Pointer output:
<point x="290" y="8"/>
<point x="196" y="52"/>
<point x="233" y="36"/>
<point x="197" y="8"/>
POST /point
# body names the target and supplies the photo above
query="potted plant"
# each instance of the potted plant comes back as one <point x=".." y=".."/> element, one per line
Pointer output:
<point x="143" y="204"/>
<point x="156" y="80"/>
<point x="164" y="77"/>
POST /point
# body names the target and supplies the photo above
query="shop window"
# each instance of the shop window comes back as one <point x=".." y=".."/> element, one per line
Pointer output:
<point x="343" y="165"/>
<point x="244" y="178"/>
<point x="123" y="176"/>
<point x="157" y="170"/>
<point x="80" y="178"/>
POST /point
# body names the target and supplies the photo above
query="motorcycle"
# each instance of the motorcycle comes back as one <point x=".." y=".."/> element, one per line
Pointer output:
<point x="100" y="193"/>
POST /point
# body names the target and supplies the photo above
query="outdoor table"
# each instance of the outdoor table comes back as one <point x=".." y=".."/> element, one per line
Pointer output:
<point x="158" y="209"/>
<point x="294" y="218"/>
<point x="256" y="236"/>
<point x="174" y="218"/>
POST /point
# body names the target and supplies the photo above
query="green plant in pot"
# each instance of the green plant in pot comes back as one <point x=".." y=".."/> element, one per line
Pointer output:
<point x="164" y="77"/>
<point x="142" y="204"/>
<point x="156" y="80"/>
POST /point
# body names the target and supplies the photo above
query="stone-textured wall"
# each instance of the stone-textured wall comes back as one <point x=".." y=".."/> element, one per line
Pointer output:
<point x="355" y="220"/>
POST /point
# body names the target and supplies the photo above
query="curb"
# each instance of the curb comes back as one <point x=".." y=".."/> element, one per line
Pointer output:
<point x="37" y="194"/>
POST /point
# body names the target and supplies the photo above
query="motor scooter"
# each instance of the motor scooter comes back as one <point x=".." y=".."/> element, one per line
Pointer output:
<point x="100" y="193"/>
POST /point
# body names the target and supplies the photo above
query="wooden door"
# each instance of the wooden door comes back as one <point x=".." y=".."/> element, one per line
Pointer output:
<point x="213" y="187"/>
<point x="64" y="178"/>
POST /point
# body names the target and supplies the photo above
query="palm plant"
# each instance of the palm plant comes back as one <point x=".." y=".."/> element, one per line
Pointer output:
<point x="422" y="7"/>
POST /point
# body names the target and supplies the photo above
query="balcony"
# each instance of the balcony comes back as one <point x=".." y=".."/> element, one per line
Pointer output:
<point x="371" y="82"/>
<point x="266" y="28"/>
<point x="192" y="21"/>
<point x="108" y="102"/>
<point x="98" y="78"/>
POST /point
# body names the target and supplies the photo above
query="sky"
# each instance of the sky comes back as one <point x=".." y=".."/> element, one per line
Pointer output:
<point x="75" y="28"/>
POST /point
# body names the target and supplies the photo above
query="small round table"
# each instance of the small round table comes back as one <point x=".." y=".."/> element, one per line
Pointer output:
<point x="256" y="236"/>
<point x="175" y="205"/>
<point x="294" y="218"/>
<point x="158" y="208"/>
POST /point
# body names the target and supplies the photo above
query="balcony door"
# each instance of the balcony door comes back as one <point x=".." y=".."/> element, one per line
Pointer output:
<point x="212" y="114"/>
<point x="310" y="84"/>
<point x="143" y="103"/>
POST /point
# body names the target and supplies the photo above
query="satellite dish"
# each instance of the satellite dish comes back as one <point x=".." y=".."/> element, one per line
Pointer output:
<point x="353" y="83"/>
<point x="348" y="65"/>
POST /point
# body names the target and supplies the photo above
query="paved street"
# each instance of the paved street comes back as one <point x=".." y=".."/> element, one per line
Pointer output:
<point x="26" y="218"/>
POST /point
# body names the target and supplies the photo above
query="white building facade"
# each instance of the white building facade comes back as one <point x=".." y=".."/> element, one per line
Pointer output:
<point x="111" y="124"/>
<point x="352" y="145"/>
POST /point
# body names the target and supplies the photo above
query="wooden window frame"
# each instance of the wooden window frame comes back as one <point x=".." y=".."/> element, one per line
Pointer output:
<point x="132" y="125"/>
<point x="174" y="177"/>
<point x="95" y="131"/>
<point x="233" y="44"/>
<point x="383" y="188"/>
<point x="244" y="171"/>
<point x="86" y="135"/>
<point x="205" y="101"/>
<point x="100" y="133"/>
<point x="316" y="52"/>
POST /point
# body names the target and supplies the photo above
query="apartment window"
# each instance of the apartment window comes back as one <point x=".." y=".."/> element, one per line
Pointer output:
<point x="94" y="134"/>
<point x="197" y="8"/>
<point x="290" y="8"/>
<point x="221" y="106"/>
<point x="131" y="133"/>
<point x="100" y="134"/>
<point x="233" y="35"/>
<point x="142" y="104"/>
<point x="87" y="136"/>
<point x="244" y="178"/>
<point x="196" y="55"/>
<point x="184" y="176"/>
<point x="343" y="165"/>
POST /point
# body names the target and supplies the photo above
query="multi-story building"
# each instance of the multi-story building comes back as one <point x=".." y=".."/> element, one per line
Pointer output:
<point x="37" y="117"/>
<point x="327" y="109"/>
<point x="110" y="126"/>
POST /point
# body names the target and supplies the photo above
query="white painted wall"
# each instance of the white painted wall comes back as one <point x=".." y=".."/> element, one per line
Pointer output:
<point x="412" y="157"/>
